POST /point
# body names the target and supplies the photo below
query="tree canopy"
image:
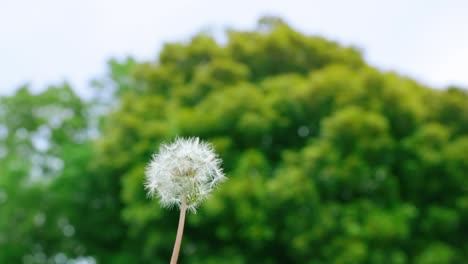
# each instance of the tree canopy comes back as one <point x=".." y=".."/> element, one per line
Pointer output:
<point x="329" y="160"/>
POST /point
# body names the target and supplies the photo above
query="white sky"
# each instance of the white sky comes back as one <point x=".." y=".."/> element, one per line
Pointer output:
<point x="48" y="41"/>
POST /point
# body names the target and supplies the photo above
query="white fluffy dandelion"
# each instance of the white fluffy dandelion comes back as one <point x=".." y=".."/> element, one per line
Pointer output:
<point x="183" y="173"/>
<point x="186" y="169"/>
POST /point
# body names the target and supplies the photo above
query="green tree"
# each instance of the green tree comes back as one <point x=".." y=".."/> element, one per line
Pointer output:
<point x="330" y="160"/>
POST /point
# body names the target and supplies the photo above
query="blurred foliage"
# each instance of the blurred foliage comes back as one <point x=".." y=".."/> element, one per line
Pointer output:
<point x="329" y="160"/>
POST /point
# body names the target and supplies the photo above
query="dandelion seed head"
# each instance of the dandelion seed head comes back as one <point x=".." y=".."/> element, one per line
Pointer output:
<point x="189" y="167"/>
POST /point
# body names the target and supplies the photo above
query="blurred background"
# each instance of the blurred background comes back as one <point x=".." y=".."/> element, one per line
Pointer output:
<point x="343" y="128"/>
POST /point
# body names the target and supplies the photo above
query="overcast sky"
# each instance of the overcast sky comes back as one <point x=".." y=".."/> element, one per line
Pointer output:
<point x="48" y="41"/>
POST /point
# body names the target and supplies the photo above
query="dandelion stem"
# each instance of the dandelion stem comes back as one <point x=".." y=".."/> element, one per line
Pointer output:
<point x="180" y="230"/>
